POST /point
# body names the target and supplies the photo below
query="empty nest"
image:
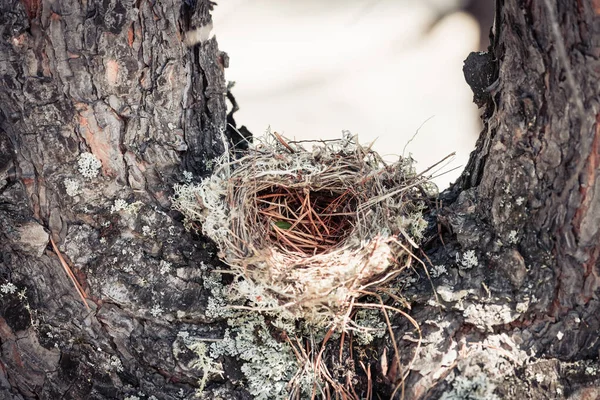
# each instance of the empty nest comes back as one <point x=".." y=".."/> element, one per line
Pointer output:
<point x="310" y="229"/>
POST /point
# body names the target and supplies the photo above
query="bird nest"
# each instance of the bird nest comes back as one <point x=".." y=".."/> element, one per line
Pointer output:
<point x="309" y="229"/>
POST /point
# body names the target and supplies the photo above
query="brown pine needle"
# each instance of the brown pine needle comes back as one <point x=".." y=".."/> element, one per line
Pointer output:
<point x="278" y="230"/>
<point x="70" y="274"/>
<point x="283" y="142"/>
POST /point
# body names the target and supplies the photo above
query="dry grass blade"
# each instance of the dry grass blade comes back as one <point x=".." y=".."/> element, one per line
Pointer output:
<point x="414" y="323"/>
<point x="367" y="371"/>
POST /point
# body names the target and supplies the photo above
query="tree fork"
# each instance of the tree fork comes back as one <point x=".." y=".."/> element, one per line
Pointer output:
<point x="519" y="312"/>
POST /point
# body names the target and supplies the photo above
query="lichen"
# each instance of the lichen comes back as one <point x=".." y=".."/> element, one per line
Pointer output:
<point x="88" y="165"/>
<point x="122" y="205"/>
<point x="165" y="267"/>
<point x="486" y="316"/>
<point x="269" y="365"/>
<point x="513" y="237"/>
<point x="7" y="288"/>
<point x="204" y="363"/>
<point x="370" y="326"/>
<point x="468" y="260"/>
<point x="478" y="387"/>
<point x="437" y="270"/>
<point x="72" y="187"/>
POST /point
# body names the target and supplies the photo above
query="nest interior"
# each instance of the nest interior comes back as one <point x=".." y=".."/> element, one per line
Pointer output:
<point x="306" y="221"/>
<point x="309" y="228"/>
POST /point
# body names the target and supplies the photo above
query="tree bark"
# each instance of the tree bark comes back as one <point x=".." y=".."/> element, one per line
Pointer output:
<point x="528" y="205"/>
<point x="112" y="78"/>
<point x="516" y="314"/>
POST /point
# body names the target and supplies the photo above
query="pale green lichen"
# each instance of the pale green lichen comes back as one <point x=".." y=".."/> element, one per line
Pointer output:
<point x="369" y="326"/>
<point x="193" y="201"/>
<point x="478" y="387"/>
<point x="202" y="360"/>
<point x="268" y="364"/>
<point x="204" y="363"/>
<point x="272" y="369"/>
<point x="122" y="205"/>
<point x="217" y="303"/>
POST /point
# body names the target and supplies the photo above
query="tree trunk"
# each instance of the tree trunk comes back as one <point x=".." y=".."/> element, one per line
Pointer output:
<point x="114" y="79"/>
<point x="524" y="319"/>
<point x="517" y="310"/>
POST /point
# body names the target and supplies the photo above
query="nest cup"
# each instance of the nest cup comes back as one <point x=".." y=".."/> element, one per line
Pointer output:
<point x="307" y="230"/>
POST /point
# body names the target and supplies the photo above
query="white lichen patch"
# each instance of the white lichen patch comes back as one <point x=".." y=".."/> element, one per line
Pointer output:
<point x="156" y="311"/>
<point x="539" y="377"/>
<point x="513" y="237"/>
<point x="591" y="370"/>
<point x="122" y="205"/>
<point x="450" y="295"/>
<point x="115" y="364"/>
<point x="72" y="187"/>
<point x="8" y="288"/>
<point x="468" y="260"/>
<point x="437" y="270"/>
<point x="147" y="231"/>
<point x="119" y="205"/>
<point x="486" y="316"/>
<point x="432" y="357"/>
<point x="116" y="291"/>
<point x="211" y="191"/>
<point x="483" y="366"/>
<point x="164" y="267"/>
<point x="523" y="306"/>
<point x="89" y="165"/>
<point x="217" y="306"/>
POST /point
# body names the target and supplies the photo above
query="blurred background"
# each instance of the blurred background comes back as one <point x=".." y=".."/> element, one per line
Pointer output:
<point x="378" y="68"/>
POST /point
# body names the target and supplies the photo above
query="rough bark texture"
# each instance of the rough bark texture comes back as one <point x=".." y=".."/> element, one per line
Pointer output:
<point x="112" y="78"/>
<point x="518" y="306"/>
<point x="527" y="205"/>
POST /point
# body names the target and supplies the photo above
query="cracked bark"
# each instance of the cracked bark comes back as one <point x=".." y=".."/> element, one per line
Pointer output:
<point x="114" y="78"/>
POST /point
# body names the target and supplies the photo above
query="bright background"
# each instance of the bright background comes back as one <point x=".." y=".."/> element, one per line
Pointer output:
<point x="378" y="68"/>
